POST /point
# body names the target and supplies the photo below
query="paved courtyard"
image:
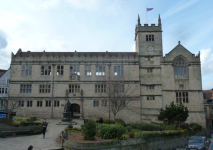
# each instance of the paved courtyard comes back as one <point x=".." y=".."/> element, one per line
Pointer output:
<point x="37" y="141"/>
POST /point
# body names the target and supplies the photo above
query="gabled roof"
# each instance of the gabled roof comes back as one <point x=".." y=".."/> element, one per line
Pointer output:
<point x="2" y="71"/>
<point x="179" y="46"/>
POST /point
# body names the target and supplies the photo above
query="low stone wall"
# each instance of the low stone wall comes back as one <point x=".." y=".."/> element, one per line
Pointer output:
<point x="155" y="143"/>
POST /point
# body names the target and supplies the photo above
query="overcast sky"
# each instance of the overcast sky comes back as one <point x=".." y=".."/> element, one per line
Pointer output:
<point x="100" y="25"/>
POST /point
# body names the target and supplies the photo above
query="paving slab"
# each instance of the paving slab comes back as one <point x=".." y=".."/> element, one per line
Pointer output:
<point x="37" y="141"/>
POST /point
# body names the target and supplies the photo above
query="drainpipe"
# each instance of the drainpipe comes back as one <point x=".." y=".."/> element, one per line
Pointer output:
<point x="52" y="91"/>
<point x="108" y="89"/>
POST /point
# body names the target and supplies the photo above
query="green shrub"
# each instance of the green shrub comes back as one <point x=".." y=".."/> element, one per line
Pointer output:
<point x="120" y="121"/>
<point x="128" y="128"/>
<point x="170" y="127"/>
<point x="77" y="129"/>
<point x="89" y="130"/>
<point x="147" y="134"/>
<point x="196" y="127"/>
<point x="33" y="118"/>
<point x="96" y="121"/>
<point x="146" y="126"/>
<point x="131" y="135"/>
<point x="111" y="131"/>
<point x="19" y="121"/>
<point x="124" y="137"/>
<point x="107" y="121"/>
<point x="70" y="126"/>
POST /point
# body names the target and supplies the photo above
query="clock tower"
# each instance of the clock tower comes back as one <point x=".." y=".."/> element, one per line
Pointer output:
<point x="148" y="41"/>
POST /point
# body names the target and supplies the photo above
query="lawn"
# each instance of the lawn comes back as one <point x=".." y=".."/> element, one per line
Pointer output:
<point x="134" y="131"/>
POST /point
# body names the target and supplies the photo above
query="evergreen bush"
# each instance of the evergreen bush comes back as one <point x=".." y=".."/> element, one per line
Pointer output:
<point x="120" y="121"/>
<point x="124" y="137"/>
<point x="146" y="126"/>
<point x="147" y="134"/>
<point x="107" y="121"/>
<point x="111" y="131"/>
<point x="128" y="128"/>
<point x="196" y="127"/>
<point x="89" y="130"/>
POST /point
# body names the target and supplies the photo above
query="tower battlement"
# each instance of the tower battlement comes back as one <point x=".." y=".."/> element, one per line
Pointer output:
<point x="147" y="28"/>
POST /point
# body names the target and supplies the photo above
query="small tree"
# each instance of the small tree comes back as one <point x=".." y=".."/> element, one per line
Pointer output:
<point x="10" y="104"/>
<point x="174" y="112"/>
<point x="119" y="94"/>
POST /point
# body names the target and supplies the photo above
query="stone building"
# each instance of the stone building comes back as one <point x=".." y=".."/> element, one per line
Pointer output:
<point x="4" y="87"/>
<point x="161" y="79"/>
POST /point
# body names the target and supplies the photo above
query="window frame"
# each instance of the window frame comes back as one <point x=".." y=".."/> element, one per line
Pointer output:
<point x="29" y="103"/>
<point x="150" y="37"/>
<point x="149" y="70"/>
<point x="48" y="103"/>
<point x="39" y="103"/>
<point x="26" y="87"/>
<point x="150" y="98"/>
<point x="44" y="88"/>
<point x="46" y="70"/>
<point x="95" y="103"/>
<point x="181" y="70"/>
<point x="26" y="70"/>
<point x="21" y="103"/>
<point x="75" y="69"/>
<point x="182" y="97"/>
<point x="87" y="70"/>
<point x="60" y="70"/>
<point x="119" y="70"/>
<point x="74" y="88"/>
<point x="56" y="103"/>
<point x="100" y="70"/>
<point x="100" y="88"/>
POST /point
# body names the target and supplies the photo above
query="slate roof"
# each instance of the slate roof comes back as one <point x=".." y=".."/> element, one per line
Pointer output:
<point x="2" y="72"/>
<point x="207" y="94"/>
<point x="27" y="54"/>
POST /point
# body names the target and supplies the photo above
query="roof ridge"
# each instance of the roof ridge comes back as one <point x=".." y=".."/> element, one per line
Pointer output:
<point x="177" y="46"/>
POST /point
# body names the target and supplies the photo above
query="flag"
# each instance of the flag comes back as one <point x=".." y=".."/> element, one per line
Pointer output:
<point x="149" y="9"/>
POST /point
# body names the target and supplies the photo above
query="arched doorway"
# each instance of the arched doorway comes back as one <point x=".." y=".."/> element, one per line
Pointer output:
<point x="75" y="111"/>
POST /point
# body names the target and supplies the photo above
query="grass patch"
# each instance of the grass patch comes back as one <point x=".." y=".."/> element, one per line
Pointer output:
<point x="134" y="131"/>
<point x="73" y="131"/>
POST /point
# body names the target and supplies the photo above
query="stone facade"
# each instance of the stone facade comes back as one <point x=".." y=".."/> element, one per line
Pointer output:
<point x="154" y="74"/>
<point x="4" y="88"/>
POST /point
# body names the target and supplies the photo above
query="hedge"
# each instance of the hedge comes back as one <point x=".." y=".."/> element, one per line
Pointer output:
<point x="34" y="129"/>
<point x="148" y="134"/>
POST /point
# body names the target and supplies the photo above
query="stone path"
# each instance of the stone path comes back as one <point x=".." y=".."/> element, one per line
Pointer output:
<point x="37" y="141"/>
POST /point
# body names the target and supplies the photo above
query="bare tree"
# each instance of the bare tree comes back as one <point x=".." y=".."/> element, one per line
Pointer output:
<point x="119" y="94"/>
<point x="11" y="104"/>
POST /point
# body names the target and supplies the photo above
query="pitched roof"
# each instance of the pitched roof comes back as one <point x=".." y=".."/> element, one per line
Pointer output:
<point x="207" y="94"/>
<point x="2" y="71"/>
<point x="27" y="54"/>
<point x="179" y="45"/>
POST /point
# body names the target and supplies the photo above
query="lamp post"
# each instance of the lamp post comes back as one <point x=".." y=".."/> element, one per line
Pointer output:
<point x="82" y="113"/>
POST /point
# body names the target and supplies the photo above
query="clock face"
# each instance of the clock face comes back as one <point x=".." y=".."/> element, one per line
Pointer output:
<point x="150" y="48"/>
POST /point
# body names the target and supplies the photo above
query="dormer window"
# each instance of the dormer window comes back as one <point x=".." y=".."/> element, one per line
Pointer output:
<point x="149" y="37"/>
<point x="180" y="68"/>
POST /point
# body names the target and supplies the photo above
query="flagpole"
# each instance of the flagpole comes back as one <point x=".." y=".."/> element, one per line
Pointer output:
<point x="146" y="14"/>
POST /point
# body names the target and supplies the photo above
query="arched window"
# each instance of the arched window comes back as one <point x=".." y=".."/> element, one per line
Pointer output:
<point x="180" y="68"/>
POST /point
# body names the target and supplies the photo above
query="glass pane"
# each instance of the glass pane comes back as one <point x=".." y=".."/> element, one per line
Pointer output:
<point x="100" y="68"/>
<point x="30" y="67"/>
<point x="122" y="67"/>
<point x="26" y="67"/>
<point x="23" y="67"/>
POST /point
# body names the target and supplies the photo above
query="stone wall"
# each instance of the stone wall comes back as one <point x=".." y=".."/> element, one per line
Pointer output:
<point x="155" y="143"/>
